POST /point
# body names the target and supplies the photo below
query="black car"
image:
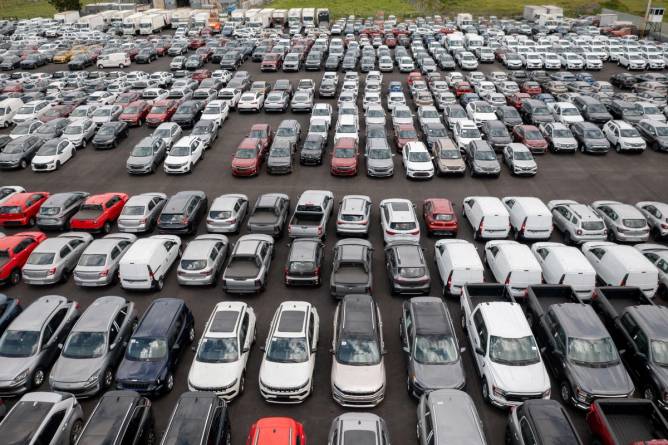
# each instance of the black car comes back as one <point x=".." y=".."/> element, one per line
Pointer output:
<point x="535" y="112"/>
<point x="199" y="417"/>
<point x="592" y="110"/>
<point x="631" y="112"/>
<point x="304" y="262"/>
<point x="496" y="133"/>
<point x="120" y="418"/>
<point x="625" y="81"/>
<point x="32" y="61"/>
<point x="183" y="212"/>
<point x="19" y="152"/>
<point x="188" y="113"/>
<point x="53" y="129"/>
<point x="539" y="421"/>
<point x="161" y="337"/>
<point x="313" y="150"/>
<point x="80" y="62"/>
<point x="639" y="328"/>
<point x="146" y="55"/>
<point x="110" y="134"/>
<point x="231" y="60"/>
<point x="576" y="346"/>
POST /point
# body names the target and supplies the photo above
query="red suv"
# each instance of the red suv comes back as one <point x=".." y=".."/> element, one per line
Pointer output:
<point x="344" y="157"/>
<point x="516" y="99"/>
<point x="248" y="158"/>
<point x="271" y="62"/>
<point x="14" y="252"/>
<point x="135" y="113"/>
<point x="162" y="111"/>
<point x="276" y="431"/>
<point x="440" y="217"/>
<point x="530" y="136"/>
<point x="264" y="133"/>
<point x="98" y="212"/>
<point x="21" y="209"/>
<point x="403" y="134"/>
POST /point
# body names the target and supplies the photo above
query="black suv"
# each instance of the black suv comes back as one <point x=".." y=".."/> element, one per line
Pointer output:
<point x="183" y="212"/>
<point x="199" y="417"/>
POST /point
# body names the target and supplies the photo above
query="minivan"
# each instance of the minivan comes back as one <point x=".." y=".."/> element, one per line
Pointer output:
<point x="567" y="265"/>
<point x="514" y="265"/>
<point x="530" y="219"/>
<point x="113" y="60"/>
<point x="458" y="263"/>
<point x="146" y="263"/>
<point x="488" y="217"/>
<point x="622" y="265"/>
<point x="8" y="109"/>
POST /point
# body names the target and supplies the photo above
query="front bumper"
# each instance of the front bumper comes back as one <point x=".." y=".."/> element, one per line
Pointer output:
<point x="380" y="173"/>
<point x="302" y="281"/>
<point x="358" y="400"/>
<point x="78" y="389"/>
<point x="176" y="169"/>
<point x="10" y="388"/>
<point x="143" y="388"/>
<point x="138" y="169"/>
<point x="227" y="393"/>
<point x="420" y="174"/>
<point x="285" y="395"/>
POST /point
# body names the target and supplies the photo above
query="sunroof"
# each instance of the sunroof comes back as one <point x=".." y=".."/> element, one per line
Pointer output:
<point x="291" y="321"/>
<point x="400" y="206"/>
<point x="224" y="321"/>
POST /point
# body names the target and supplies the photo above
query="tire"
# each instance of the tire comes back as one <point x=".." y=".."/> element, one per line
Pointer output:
<point x="567" y="238"/>
<point x="65" y="276"/>
<point x="191" y="334"/>
<point x="23" y="164"/>
<point x="565" y="392"/>
<point x="161" y="283"/>
<point x="75" y="432"/>
<point x="120" y="66"/>
<point x="618" y="148"/>
<point x="37" y="378"/>
<point x="57" y="165"/>
<point x="648" y="393"/>
<point x="15" y="277"/>
<point x="107" y="378"/>
<point x="107" y="227"/>
<point x="242" y="383"/>
<point x="100" y="66"/>
<point x="31" y="222"/>
<point x="169" y="385"/>
<point x="485" y="391"/>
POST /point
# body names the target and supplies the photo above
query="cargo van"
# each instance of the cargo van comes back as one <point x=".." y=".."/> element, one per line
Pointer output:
<point x="113" y="60"/>
<point x="8" y="109"/>
<point x="530" y="219"/>
<point x="562" y="264"/>
<point x="622" y="265"/>
<point x="513" y="264"/>
<point x="458" y="264"/>
<point x="488" y="217"/>
<point x="147" y="261"/>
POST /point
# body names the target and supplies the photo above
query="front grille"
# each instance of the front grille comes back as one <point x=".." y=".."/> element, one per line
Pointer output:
<point x="519" y="398"/>
<point x="283" y="390"/>
<point x="135" y="385"/>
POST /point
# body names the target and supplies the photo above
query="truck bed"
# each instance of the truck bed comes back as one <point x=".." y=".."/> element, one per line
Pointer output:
<point x="548" y="295"/>
<point x="351" y="275"/>
<point x="263" y="217"/>
<point x="306" y="219"/>
<point x="486" y="293"/>
<point x="623" y="297"/>
<point x="242" y="269"/>
<point x="633" y="421"/>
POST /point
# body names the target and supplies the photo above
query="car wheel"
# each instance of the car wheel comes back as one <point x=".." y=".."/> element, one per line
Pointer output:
<point x="565" y="391"/>
<point x="107" y="227"/>
<point x="161" y="283"/>
<point x="169" y="385"/>
<point x="618" y="148"/>
<point x="31" y="222"/>
<point x="100" y="66"/>
<point x="567" y="238"/>
<point x="191" y="334"/>
<point x="37" y="378"/>
<point x="75" y="432"/>
<point x="485" y="391"/>
<point x="15" y="277"/>
<point x="57" y="165"/>
<point x="107" y="378"/>
<point x="120" y="66"/>
<point x="23" y="164"/>
<point x="648" y="393"/>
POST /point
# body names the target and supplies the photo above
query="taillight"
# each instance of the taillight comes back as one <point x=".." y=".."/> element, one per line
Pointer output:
<point x="390" y="232"/>
<point x="623" y="283"/>
<point x="449" y="285"/>
<point x="104" y="273"/>
<point x="206" y="273"/>
<point x="52" y="271"/>
<point x="414" y="232"/>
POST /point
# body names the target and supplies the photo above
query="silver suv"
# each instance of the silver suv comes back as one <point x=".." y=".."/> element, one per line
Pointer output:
<point x="625" y="223"/>
<point x="577" y="222"/>
<point x="56" y="211"/>
<point x="357" y="428"/>
<point x="55" y="258"/>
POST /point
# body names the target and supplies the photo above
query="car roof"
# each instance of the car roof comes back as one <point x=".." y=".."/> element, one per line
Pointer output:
<point x="455" y="416"/>
<point x="158" y="317"/>
<point x="190" y="417"/>
<point x="653" y="319"/>
<point x="100" y="314"/>
<point x="430" y="316"/>
<point x="505" y="319"/>
<point x="304" y="249"/>
<point x="61" y="198"/>
<point x="407" y="253"/>
<point x="358" y="314"/>
<point x="579" y="320"/>
<point x="33" y="317"/>
<point x="550" y="420"/>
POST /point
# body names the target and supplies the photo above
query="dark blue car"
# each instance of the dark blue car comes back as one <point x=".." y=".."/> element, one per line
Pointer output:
<point x="163" y="333"/>
<point x="9" y="309"/>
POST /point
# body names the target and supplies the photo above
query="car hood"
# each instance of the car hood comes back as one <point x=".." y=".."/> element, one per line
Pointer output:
<point x="601" y="141"/>
<point x="521" y="379"/>
<point x="10" y="156"/>
<point x="278" y="161"/>
<point x="451" y="162"/>
<point x="420" y="166"/>
<point x="69" y="370"/>
<point x="214" y="375"/>
<point x="44" y="159"/>
<point x="379" y="163"/>
<point x="450" y="375"/>
<point x="13" y="366"/>
<point x="358" y="378"/>
<point x="486" y="164"/>
<point x="284" y="375"/>
<point x="524" y="163"/>
<point x="140" y="370"/>
<point x="139" y="160"/>
<point x="244" y="162"/>
<point x="610" y="380"/>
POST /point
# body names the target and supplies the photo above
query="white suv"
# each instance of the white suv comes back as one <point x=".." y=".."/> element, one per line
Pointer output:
<point x="417" y="161"/>
<point x="398" y="220"/>
<point x="222" y="352"/>
<point x="286" y="373"/>
<point x="623" y="136"/>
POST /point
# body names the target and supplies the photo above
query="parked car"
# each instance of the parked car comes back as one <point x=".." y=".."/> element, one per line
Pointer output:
<point x="55" y="258"/>
<point x="537" y="421"/>
<point x="110" y="134"/>
<point x="99" y="212"/>
<point x="267" y="426"/>
<point x="365" y="425"/>
<point x="147" y="262"/>
<point x="140" y="212"/>
<point x="227" y="213"/>
<point x="21" y="209"/>
<point x="99" y="263"/>
<point x="625" y="223"/>
<point x="198" y="415"/>
<point x="182" y="212"/>
<point x="55" y="213"/>
<point x="269" y="214"/>
<point x="446" y="416"/>
<point x="247" y="269"/>
<point x="17" y="249"/>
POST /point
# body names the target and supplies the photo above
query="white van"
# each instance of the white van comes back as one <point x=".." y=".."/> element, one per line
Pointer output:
<point x="488" y="217"/>
<point x="530" y="218"/>
<point x="622" y="265"/>
<point x="147" y="261"/>
<point x="458" y="264"/>
<point x="113" y="60"/>
<point x="513" y="264"/>
<point x="564" y="264"/>
<point x="8" y="109"/>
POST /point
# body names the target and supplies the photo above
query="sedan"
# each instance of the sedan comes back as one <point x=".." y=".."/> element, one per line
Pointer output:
<point x="251" y="101"/>
<point x="161" y="111"/>
<point x="110" y="134"/>
<point x="302" y="101"/>
<point x="53" y="154"/>
<point x="202" y="260"/>
<point x="54" y="260"/>
<point x="98" y="264"/>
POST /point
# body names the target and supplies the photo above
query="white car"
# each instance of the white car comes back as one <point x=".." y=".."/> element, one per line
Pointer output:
<point x="374" y="115"/>
<point x="417" y="161"/>
<point x="230" y="95"/>
<point x="385" y="64"/>
<point x="571" y="61"/>
<point x="183" y="156"/>
<point x="402" y="115"/>
<point x="519" y="159"/>
<point x="101" y="98"/>
<point x="532" y="61"/>
<point x="632" y="61"/>
<point x="82" y="112"/>
<point x="394" y="99"/>
<point x="565" y="112"/>
<point x="31" y="110"/>
<point x="651" y="111"/>
<point x="464" y="132"/>
<point x="324" y="111"/>
<point x="216" y="110"/>
<point x="551" y="61"/>
<point x="52" y="155"/>
<point x="398" y="220"/>
<point x="169" y="132"/>
<point x="370" y="98"/>
<point x="346" y="127"/>
<point x="222" y="352"/>
<point x="152" y="95"/>
<point x="286" y="372"/>
<point x="406" y="65"/>
<point x="428" y="114"/>
<point x="480" y="112"/>
<point x="80" y="132"/>
<point x="319" y="127"/>
<point x="592" y="62"/>
<point x="223" y="75"/>
<point x="656" y="214"/>
<point x="250" y="101"/>
<point x="227" y="213"/>
<point x="623" y="136"/>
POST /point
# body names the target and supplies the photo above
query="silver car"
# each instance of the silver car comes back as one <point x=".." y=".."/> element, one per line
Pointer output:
<point x="56" y="211"/>
<point x="80" y="132"/>
<point x="625" y="223"/>
<point x="448" y="416"/>
<point x="357" y="428"/>
<point x="43" y="418"/>
<point x="354" y="215"/>
<point x="140" y="213"/>
<point x="658" y="255"/>
<point x="519" y="159"/>
<point x="379" y="158"/>
<point x="107" y="113"/>
<point x="202" y="260"/>
<point x="656" y="214"/>
<point x="55" y="258"/>
<point x="169" y="132"/>
<point x="579" y="223"/>
<point x="227" y="213"/>
<point x="94" y="347"/>
<point x="207" y="131"/>
<point x="33" y="341"/>
<point x="98" y="264"/>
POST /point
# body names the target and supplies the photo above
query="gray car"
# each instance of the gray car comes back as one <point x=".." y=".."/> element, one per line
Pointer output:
<point x="247" y="270"/>
<point x="302" y="101"/>
<point x="352" y="267"/>
<point x="202" y="260"/>
<point x="55" y="258"/>
<point x="107" y="113"/>
<point x="448" y="416"/>
<point x="43" y="418"/>
<point x="56" y="211"/>
<point x="625" y="223"/>
<point x="276" y="101"/>
<point x="19" y="152"/>
<point x="289" y="130"/>
<point x="590" y="138"/>
<point x="379" y="158"/>
<point x="430" y="346"/>
<point x="169" y="132"/>
<point x="94" y="347"/>
<point x="227" y="213"/>
<point x="496" y="134"/>
<point x="80" y="132"/>
<point x="146" y="156"/>
<point x="140" y="213"/>
<point x="407" y="268"/>
<point x="98" y="264"/>
<point x="280" y="157"/>
<point x="33" y="341"/>
<point x="434" y="131"/>
<point x="481" y="159"/>
<point x="207" y="131"/>
<point x="358" y="429"/>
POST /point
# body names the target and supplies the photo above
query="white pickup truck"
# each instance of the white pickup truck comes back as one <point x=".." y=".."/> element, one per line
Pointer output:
<point x="503" y="347"/>
<point x="313" y="210"/>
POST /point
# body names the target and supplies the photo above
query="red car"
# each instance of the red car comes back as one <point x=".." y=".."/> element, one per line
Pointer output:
<point x="414" y="76"/>
<point x="276" y="431"/>
<point x="344" y="157"/>
<point x="135" y="113"/>
<point x="248" y="158"/>
<point x="271" y="62"/>
<point x="205" y="53"/>
<point x="463" y="88"/>
<point x="530" y="136"/>
<point x="201" y="74"/>
<point x="403" y="134"/>
<point x="531" y="87"/>
<point x="440" y="217"/>
<point x="56" y="112"/>
<point x="517" y="98"/>
<point x="196" y="43"/>
<point x="264" y="133"/>
<point x="21" y="209"/>
<point x="125" y="99"/>
<point x="391" y="41"/>
<point x="14" y="252"/>
<point x="161" y="111"/>
<point x="98" y="212"/>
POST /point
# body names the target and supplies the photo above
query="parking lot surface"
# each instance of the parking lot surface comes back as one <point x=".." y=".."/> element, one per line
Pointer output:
<point x="626" y="178"/>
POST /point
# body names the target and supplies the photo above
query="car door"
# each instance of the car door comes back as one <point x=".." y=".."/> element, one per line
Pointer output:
<point x="172" y="253"/>
<point x="54" y="430"/>
<point x="636" y="350"/>
<point x="406" y="331"/>
<point x="561" y="217"/>
<point x="491" y="254"/>
<point x="596" y="256"/>
<point x="554" y="336"/>
<point x="52" y="337"/>
<point x="478" y="337"/>
<point x="77" y="246"/>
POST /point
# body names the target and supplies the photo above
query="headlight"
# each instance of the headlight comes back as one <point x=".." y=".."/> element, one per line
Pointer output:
<point x="94" y="378"/>
<point x="581" y="395"/>
<point x="498" y="392"/>
<point x="21" y="376"/>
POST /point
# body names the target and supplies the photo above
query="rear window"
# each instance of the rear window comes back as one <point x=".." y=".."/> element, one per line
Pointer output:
<point x="592" y="225"/>
<point x="402" y="225"/>
<point x="634" y="223"/>
<point x="443" y="217"/>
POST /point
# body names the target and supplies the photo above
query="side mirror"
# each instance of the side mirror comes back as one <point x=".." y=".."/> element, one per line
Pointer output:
<point x="111" y="346"/>
<point x="262" y="348"/>
<point x="246" y="349"/>
<point x="60" y="346"/>
<point x="479" y="351"/>
<point x="406" y="349"/>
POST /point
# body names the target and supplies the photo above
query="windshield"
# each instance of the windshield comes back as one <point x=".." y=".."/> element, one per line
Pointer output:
<point x="246" y="153"/>
<point x="19" y="343"/>
<point x="79" y="112"/>
<point x="570" y="112"/>
<point x="358" y="351"/>
<point x="562" y="134"/>
<point x="347" y="129"/>
<point x="594" y="133"/>
<point x="596" y="108"/>
<point x="592" y="351"/>
<point x="344" y="153"/>
<point x="380" y="154"/>
<point x="201" y="130"/>
<point x="218" y="350"/>
<point x="279" y="152"/>
<point x="48" y="149"/>
<point x="630" y="133"/>
<point x="180" y="150"/>
<point x="146" y="349"/>
<point x="73" y="129"/>
<point x="49" y="211"/>
<point x="633" y="110"/>
<point x="13" y="148"/>
<point x="105" y="131"/>
<point x="287" y="350"/>
<point x="85" y="345"/>
<point x="435" y="349"/>
<point x="142" y="150"/>
<point x="408" y="134"/>
<point x="513" y="351"/>
<point x="634" y="223"/>
<point x="41" y="259"/>
<point x="532" y="135"/>
<point x="522" y="155"/>
<point x="92" y="259"/>
<point x="159" y="109"/>
<point x="470" y="133"/>
<point x="450" y="154"/>
<point x="102" y="112"/>
<point x="419" y="156"/>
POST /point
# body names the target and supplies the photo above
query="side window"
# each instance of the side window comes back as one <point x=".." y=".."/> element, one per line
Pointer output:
<point x="527" y="433"/>
<point x="65" y="251"/>
<point x="640" y="339"/>
<point x="494" y="250"/>
<point x="598" y="253"/>
<point x="53" y="325"/>
<point x="23" y="245"/>
<point x="113" y="332"/>
<point x="311" y="331"/>
<point x="133" y="426"/>
<point x="51" y="428"/>
<point x="481" y="329"/>
<point x="543" y="253"/>
<point x="243" y="330"/>
<point x="212" y="439"/>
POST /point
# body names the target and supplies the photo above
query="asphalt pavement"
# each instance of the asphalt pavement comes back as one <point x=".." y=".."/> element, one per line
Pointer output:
<point x="628" y="178"/>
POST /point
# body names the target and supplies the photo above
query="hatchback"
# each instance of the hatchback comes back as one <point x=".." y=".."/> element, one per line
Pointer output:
<point x="304" y="262"/>
<point x="54" y="260"/>
<point x="202" y="260"/>
<point x="407" y="268"/>
<point x="182" y="212"/>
